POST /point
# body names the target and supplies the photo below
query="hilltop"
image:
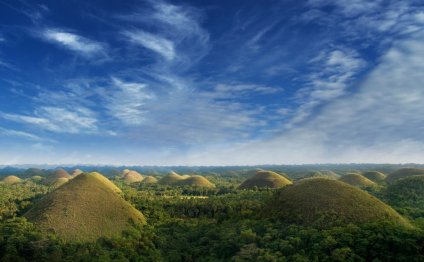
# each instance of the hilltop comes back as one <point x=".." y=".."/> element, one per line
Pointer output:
<point x="132" y="176"/>
<point x="265" y="179"/>
<point x="56" y="174"/>
<point x="355" y="179"/>
<point x="198" y="181"/>
<point x="404" y="172"/>
<point x="374" y="176"/>
<point x="326" y="202"/>
<point x="86" y="208"/>
<point x="11" y="180"/>
<point x="149" y="180"/>
<point x="170" y="179"/>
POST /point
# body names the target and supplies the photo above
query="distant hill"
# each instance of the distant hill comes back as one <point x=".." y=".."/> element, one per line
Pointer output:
<point x="407" y="192"/>
<point x="404" y="172"/>
<point x="198" y="181"/>
<point x="11" y="180"/>
<point x="265" y="179"/>
<point x="59" y="182"/>
<point x="170" y="179"/>
<point x="325" y="202"/>
<point x="131" y="177"/>
<point x="53" y="176"/>
<point x="85" y="208"/>
<point x="149" y="180"/>
<point x="76" y="172"/>
<point x="30" y="172"/>
<point x="374" y="176"/>
<point x="355" y="179"/>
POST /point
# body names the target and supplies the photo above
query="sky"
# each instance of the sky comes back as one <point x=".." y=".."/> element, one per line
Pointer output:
<point x="247" y="82"/>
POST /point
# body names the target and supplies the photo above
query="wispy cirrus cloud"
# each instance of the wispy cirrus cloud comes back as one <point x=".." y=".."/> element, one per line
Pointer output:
<point x="126" y="101"/>
<point x="155" y="43"/>
<point x="73" y="42"/>
<point x="57" y="119"/>
<point x="22" y="134"/>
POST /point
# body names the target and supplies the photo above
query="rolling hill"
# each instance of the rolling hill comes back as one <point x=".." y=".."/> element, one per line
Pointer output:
<point x="404" y="172"/>
<point x="149" y="180"/>
<point x="86" y="208"/>
<point x="325" y="202"/>
<point x="11" y="180"/>
<point x="197" y="181"/>
<point x="357" y="180"/>
<point x="170" y="179"/>
<point x="58" y="173"/>
<point x="374" y="176"/>
<point x="131" y="177"/>
<point x="265" y="179"/>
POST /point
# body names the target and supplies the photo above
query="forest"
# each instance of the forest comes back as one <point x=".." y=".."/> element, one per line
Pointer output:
<point x="186" y="222"/>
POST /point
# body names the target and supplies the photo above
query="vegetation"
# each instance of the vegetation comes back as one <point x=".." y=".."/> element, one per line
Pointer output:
<point x="314" y="219"/>
<point x="404" y="172"/>
<point x="265" y="179"/>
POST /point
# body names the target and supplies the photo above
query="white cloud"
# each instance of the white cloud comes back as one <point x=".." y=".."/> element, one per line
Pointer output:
<point x="155" y="43"/>
<point x="381" y="122"/>
<point x="20" y="134"/>
<point x="334" y="70"/>
<point x="57" y="119"/>
<point x="126" y="101"/>
<point x="73" y="42"/>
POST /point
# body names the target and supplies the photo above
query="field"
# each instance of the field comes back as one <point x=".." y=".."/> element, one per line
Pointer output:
<point x="312" y="217"/>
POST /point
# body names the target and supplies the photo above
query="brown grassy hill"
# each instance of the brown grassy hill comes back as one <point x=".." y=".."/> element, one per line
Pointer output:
<point x="12" y="180"/>
<point x="58" y="173"/>
<point x="198" y="181"/>
<point x="149" y="180"/>
<point x="76" y="172"/>
<point x="132" y="177"/>
<point x="59" y="182"/>
<point x="374" y="176"/>
<point x="355" y="179"/>
<point x="404" y="172"/>
<point x="264" y="179"/>
<point x="326" y="202"/>
<point x="85" y="208"/>
<point x="170" y="179"/>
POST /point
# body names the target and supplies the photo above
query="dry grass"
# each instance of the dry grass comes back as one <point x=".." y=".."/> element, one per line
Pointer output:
<point x="355" y="179"/>
<point x="327" y="202"/>
<point x="86" y="208"/>
<point x="12" y="180"/>
<point x="198" y="181"/>
<point x="265" y="179"/>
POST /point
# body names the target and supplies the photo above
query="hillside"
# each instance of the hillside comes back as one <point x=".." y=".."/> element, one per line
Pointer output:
<point x="149" y="180"/>
<point x="197" y="181"/>
<point x="58" y="173"/>
<point x="326" y="202"/>
<point x="59" y="182"/>
<point x="265" y="179"/>
<point x="170" y="179"/>
<point x="131" y="177"/>
<point x="11" y="180"/>
<point x="86" y="208"/>
<point x="374" y="176"/>
<point x="357" y="180"/>
<point x="76" y="172"/>
<point x="407" y="192"/>
<point x="404" y="172"/>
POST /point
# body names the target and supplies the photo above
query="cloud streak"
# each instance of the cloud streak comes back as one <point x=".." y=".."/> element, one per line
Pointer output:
<point x="73" y="42"/>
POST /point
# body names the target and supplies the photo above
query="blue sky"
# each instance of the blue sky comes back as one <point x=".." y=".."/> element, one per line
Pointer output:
<point x="211" y="82"/>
